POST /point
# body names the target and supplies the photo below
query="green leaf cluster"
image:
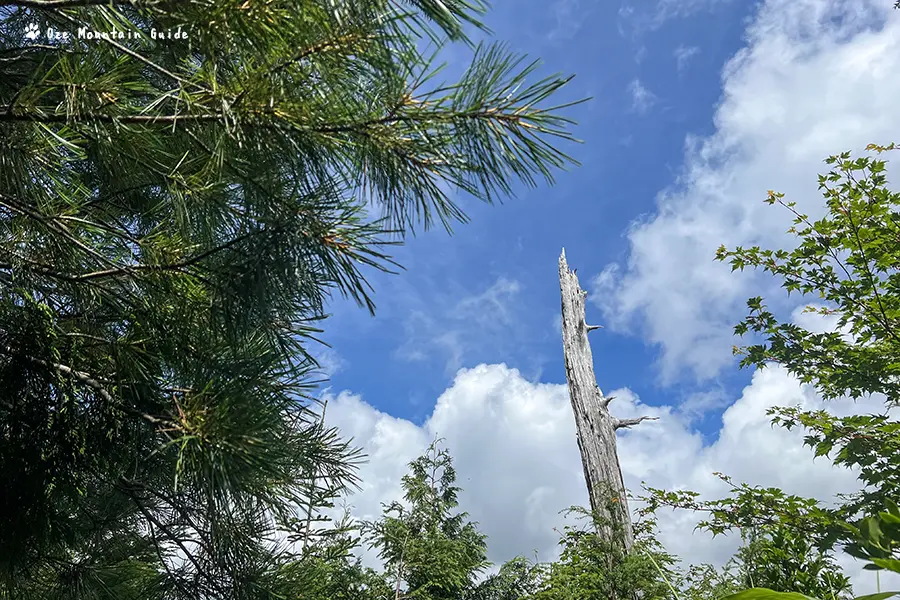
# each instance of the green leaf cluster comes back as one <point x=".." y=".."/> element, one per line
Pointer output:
<point x="847" y="260"/>
<point x="785" y="560"/>
<point x="846" y="264"/>
<point x="876" y="538"/>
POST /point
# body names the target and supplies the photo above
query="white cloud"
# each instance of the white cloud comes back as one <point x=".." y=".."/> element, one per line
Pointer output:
<point x="640" y="54"/>
<point x="816" y="78"/>
<point x="698" y="404"/>
<point x="490" y="305"/>
<point x="683" y="55"/>
<point x="569" y="17"/>
<point x="650" y="15"/>
<point x="451" y="329"/>
<point x="641" y="98"/>
<point x="557" y="324"/>
<point x="513" y="446"/>
<point x="515" y="452"/>
<point x="330" y="362"/>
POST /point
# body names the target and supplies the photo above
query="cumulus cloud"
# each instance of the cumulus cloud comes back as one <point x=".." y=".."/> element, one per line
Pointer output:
<point x="816" y="78"/>
<point x="514" y="448"/>
<point x="698" y="405"/>
<point x="513" y="445"/>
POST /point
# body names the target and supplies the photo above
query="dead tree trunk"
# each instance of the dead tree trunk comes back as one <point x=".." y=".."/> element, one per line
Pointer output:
<point x="596" y="428"/>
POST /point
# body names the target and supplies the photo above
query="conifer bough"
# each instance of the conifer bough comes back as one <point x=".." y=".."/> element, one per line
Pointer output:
<point x="175" y="215"/>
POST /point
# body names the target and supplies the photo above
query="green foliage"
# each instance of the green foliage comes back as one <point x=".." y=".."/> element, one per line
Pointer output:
<point x="788" y="538"/>
<point x="869" y="444"/>
<point x="328" y="570"/>
<point x="784" y="560"/>
<point x="595" y="567"/>
<point x="705" y="582"/>
<point x="435" y="551"/>
<point x="517" y="579"/>
<point x="175" y="216"/>
<point x="848" y="259"/>
<point x="751" y="507"/>
<point x="767" y="594"/>
<point x="877" y="539"/>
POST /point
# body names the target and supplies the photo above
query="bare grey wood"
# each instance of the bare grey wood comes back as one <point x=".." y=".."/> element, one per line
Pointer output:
<point x="595" y="426"/>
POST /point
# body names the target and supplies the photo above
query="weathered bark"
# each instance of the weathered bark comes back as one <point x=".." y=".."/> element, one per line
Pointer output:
<point x="596" y="428"/>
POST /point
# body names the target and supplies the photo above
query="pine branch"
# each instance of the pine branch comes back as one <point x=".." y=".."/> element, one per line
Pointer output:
<point x="200" y="571"/>
<point x="52" y="223"/>
<point x="140" y="57"/>
<point x="130" y="160"/>
<point x="43" y="115"/>
<point x="60" y="4"/>
<point x="79" y="376"/>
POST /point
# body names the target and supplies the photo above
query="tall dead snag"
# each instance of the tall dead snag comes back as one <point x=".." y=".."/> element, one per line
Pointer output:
<point x="596" y="428"/>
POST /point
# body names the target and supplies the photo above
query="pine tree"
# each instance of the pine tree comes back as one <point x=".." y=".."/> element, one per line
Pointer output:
<point x="175" y="214"/>
<point x="431" y="552"/>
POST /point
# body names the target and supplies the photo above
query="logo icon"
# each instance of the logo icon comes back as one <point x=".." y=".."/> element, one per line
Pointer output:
<point x="31" y="31"/>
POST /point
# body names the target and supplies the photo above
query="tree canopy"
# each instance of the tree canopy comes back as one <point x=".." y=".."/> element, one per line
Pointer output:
<point x="176" y="212"/>
<point x="427" y="547"/>
<point x="845" y="265"/>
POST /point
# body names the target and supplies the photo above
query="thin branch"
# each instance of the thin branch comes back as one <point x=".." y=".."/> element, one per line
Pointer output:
<point x="312" y="490"/>
<point x="865" y="262"/>
<point x="187" y="553"/>
<point x="359" y="127"/>
<point x="179" y="266"/>
<point x="29" y="47"/>
<point x="122" y="233"/>
<point x="8" y="115"/>
<point x="605" y="400"/>
<point x="132" y="269"/>
<point x="324" y="46"/>
<point x="159" y="553"/>
<point x="52" y="223"/>
<point x="626" y="423"/>
<point x="834" y="255"/>
<point x="79" y="376"/>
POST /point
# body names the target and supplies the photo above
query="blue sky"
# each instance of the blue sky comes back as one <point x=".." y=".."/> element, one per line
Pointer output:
<point x="699" y="107"/>
<point x="644" y="102"/>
